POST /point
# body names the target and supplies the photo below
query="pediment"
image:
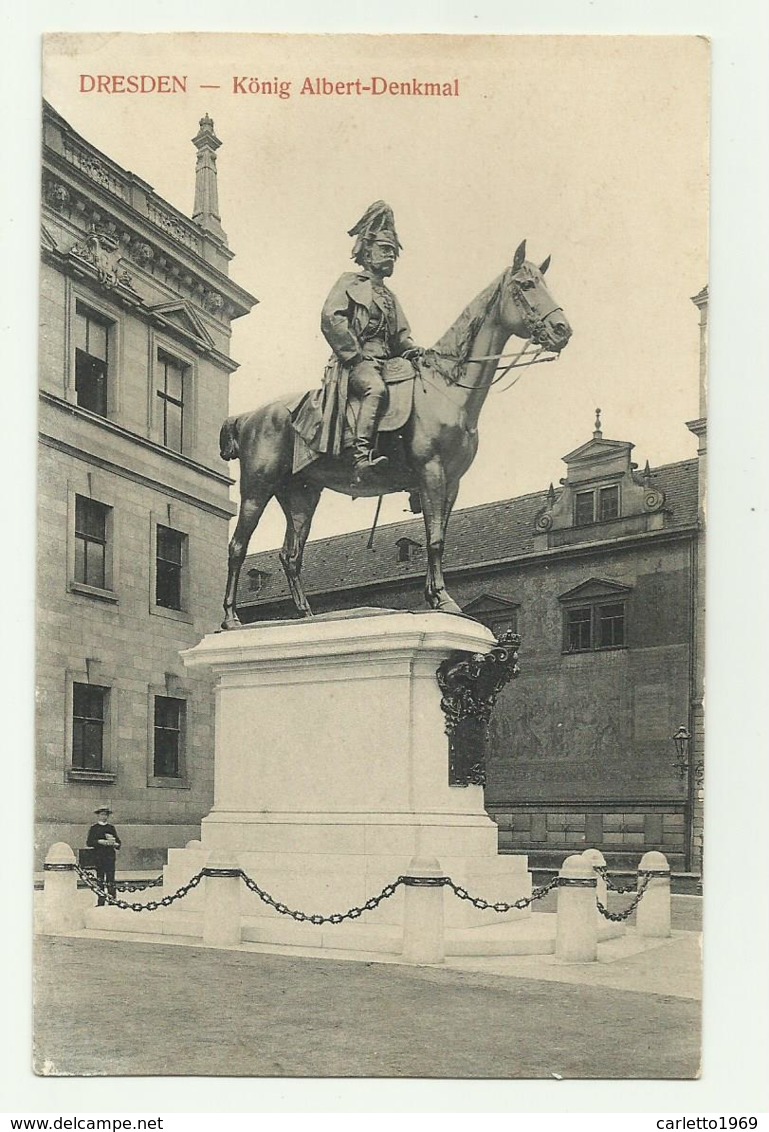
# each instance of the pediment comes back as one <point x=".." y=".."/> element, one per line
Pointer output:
<point x="46" y="239"/>
<point x="597" y="450"/>
<point x="183" y="315"/>
<point x="490" y="603"/>
<point x="594" y="589"/>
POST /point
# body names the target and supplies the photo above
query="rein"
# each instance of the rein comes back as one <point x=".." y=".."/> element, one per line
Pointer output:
<point x="534" y="323"/>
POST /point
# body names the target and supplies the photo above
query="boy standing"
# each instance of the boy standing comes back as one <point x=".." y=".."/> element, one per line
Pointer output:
<point x="104" y="840"/>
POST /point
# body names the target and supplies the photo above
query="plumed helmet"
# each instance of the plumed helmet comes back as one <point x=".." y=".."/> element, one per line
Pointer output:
<point x="376" y="223"/>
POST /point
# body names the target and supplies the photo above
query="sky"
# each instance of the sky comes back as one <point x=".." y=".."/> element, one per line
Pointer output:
<point x="594" y="149"/>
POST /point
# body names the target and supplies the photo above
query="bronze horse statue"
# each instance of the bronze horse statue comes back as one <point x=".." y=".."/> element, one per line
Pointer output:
<point x="428" y="455"/>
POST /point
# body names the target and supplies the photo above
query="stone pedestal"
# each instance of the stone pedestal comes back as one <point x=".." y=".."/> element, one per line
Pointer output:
<point x="331" y="771"/>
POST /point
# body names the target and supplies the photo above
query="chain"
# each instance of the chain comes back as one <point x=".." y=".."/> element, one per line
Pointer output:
<point x="125" y="886"/>
<point x="355" y="912"/>
<point x="335" y="918"/>
<point x="150" y="906"/>
<point x="602" y="871"/>
<point x="618" y="917"/>
<point x="500" y="905"/>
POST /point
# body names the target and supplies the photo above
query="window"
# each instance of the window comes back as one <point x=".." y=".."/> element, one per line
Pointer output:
<point x="92" y="333"/>
<point x="408" y="549"/>
<point x="583" y="508"/>
<point x="171" y="381"/>
<point x="596" y="506"/>
<point x="91" y="542"/>
<point x="598" y="626"/>
<point x="168" y="745"/>
<point x="169" y="568"/>
<point x="501" y="624"/>
<point x="89" y="711"/>
<point x="496" y="613"/>
<point x="578" y="629"/>
<point x="608" y="503"/>
<point x="611" y="625"/>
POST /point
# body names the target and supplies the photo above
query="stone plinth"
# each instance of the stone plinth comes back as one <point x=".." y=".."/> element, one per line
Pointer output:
<point x="331" y="767"/>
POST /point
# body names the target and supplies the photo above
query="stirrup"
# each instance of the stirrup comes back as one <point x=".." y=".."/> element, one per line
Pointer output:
<point x="368" y="463"/>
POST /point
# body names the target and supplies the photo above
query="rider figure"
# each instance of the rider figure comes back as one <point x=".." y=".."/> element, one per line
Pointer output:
<point x="364" y="324"/>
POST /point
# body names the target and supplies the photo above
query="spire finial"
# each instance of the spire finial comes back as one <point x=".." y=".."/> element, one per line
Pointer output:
<point x="597" y="434"/>
<point x="206" y="208"/>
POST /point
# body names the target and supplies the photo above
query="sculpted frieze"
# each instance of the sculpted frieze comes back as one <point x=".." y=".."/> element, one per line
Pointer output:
<point x="102" y="251"/>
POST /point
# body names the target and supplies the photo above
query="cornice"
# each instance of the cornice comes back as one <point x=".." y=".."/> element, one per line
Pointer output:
<point x="153" y="245"/>
<point x="106" y="425"/>
<point x="136" y="477"/>
<point x="126" y="295"/>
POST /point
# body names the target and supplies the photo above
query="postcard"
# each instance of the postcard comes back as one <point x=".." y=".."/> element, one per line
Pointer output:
<point x="371" y="571"/>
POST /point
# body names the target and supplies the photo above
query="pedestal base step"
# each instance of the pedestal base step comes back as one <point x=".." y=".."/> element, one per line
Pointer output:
<point x="530" y="935"/>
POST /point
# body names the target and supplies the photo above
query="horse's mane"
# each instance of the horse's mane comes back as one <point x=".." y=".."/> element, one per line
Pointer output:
<point x="453" y="349"/>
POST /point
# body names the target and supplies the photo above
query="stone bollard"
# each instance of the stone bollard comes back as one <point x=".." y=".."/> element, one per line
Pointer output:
<point x="607" y="929"/>
<point x="576" y="932"/>
<point x="62" y="910"/>
<point x="221" y="907"/>
<point x="423" y="935"/>
<point x="653" y="912"/>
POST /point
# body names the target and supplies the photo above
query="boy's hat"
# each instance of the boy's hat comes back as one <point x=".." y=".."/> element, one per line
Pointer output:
<point x="103" y="810"/>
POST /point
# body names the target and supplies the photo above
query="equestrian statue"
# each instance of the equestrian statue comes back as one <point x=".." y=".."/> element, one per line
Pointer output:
<point x="390" y="415"/>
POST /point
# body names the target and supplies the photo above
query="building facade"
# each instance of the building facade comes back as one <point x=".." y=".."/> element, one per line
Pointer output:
<point x="600" y="578"/>
<point x="134" y="503"/>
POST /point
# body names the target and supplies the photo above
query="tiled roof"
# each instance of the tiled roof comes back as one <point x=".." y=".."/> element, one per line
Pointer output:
<point x="482" y="534"/>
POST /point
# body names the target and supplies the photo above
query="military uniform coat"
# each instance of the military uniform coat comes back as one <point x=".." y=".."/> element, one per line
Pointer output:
<point x="319" y="419"/>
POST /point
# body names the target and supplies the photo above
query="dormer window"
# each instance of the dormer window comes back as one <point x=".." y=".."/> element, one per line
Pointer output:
<point x="598" y="505"/>
<point x="257" y="579"/>
<point x="407" y="549"/>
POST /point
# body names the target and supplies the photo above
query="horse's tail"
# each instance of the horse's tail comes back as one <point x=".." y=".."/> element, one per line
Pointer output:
<point x="229" y="449"/>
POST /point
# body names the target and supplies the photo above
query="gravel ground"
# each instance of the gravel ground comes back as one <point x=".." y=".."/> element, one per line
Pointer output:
<point x="107" y="1008"/>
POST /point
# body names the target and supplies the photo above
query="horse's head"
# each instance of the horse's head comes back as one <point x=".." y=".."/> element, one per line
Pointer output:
<point x="527" y="308"/>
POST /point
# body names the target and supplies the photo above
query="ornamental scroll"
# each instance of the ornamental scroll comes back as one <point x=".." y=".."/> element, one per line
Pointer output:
<point x="470" y="683"/>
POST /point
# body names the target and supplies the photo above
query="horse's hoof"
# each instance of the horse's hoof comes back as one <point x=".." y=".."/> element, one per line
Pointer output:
<point x="231" y="623"/>
<point x="446" y="605"/>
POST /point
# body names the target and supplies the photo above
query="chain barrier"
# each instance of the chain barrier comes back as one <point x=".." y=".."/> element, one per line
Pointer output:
<point x="500" y="905"/>
<point x="139" y="886"/>
<point x="128" y="906"/>
<point x="316" y="918"/>
<point x="618" y="917"/>
<point x="603" y="872"/>
<point x="355" y="912"/>
<point x="128" y="886"/>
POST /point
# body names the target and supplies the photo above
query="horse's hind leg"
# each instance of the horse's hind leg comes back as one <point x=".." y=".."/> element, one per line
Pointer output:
<point x="298" y="501"/>
<point x="251" y="510"/>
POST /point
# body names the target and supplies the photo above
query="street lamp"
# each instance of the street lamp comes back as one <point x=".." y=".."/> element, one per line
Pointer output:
<point x="681" y="741"/>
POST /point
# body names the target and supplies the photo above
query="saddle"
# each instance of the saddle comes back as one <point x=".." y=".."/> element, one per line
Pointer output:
<point x="398" y="376"/>
<point x="307" y="411"/>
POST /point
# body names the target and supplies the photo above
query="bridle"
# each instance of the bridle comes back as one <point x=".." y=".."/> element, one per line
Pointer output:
<point x="532" y="348"/>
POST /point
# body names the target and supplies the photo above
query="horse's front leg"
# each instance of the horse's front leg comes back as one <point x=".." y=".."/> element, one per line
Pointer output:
<point x="438" y="494"/>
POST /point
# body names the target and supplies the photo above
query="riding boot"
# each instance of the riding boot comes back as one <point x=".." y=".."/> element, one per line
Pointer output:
<point x="366" y="461"/>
